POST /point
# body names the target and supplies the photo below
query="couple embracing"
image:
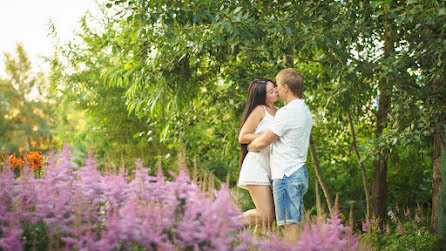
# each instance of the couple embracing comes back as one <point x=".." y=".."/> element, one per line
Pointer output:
<point x="274" y="146"/>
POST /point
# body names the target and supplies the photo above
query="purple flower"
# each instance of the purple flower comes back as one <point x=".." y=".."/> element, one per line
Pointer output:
<point x="11" y="235"/>
<point x="87" y="210"/>
<point x="330" y="235"/>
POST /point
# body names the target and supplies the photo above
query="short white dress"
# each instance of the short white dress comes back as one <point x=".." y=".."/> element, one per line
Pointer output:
<point x="256" y="169"/>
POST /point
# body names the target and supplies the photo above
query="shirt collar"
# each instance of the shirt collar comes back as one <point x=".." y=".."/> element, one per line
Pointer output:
<point x="297" y="101"/>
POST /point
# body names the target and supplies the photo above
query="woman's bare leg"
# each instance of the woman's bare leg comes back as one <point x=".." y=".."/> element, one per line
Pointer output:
<point x="262" y="197"/>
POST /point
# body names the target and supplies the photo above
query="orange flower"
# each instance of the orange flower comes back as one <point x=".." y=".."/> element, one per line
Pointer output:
<point x="16" y="162"/>
<point x="35" y="160"/>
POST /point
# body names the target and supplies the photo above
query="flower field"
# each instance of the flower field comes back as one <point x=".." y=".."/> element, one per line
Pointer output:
<point x="78" y="208"/>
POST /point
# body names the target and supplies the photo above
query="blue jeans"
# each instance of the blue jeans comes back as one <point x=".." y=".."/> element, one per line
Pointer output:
<point x="288" y="194"/>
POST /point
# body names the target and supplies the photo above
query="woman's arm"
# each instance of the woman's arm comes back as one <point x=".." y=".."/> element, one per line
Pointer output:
<point x="247" y="134"/>
<point x="248" y="137"/>
<point x="263" y="142"/>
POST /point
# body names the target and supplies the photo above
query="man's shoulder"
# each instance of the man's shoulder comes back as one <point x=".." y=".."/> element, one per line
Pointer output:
<point x="295" y="107"/>
<point x="282" y="111"/>
<point x="301" y="106"/>
<point x="283" y="108"/>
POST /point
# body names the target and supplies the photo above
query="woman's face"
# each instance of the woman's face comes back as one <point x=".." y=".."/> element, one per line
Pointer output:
<point x="272" y="95"/>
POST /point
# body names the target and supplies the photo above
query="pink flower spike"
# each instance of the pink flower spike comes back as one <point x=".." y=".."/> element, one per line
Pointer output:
<point x="392" y="216"/>
<point x="400" y="229"/>
<point x="365" y="226"/>
<point x="85" y="209"/>
<point x="387" y="229"/>
<point x="397" y="208"/>
<point x="407" y="213"/>
<point x="418" y="207"/>
<point x="417" y="219"/>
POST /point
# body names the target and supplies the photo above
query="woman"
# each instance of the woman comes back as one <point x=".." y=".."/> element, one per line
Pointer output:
<point x="255" y="172"/>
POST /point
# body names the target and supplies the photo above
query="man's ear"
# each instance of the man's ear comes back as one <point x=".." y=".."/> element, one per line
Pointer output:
<point x="285" y="87"/>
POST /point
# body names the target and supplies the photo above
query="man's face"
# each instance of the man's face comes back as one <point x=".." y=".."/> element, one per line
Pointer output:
<point x="281" y="90"/>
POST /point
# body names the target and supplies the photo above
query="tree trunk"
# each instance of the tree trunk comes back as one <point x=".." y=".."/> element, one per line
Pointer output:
<point x="319" y="176"/>
<point x="379" y="177"/>
<point x="439" y="144"/>
<point x="363" y="171"/>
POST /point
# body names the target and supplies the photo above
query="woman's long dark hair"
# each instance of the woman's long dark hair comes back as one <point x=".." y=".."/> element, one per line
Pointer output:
<point x="256" y="96"/>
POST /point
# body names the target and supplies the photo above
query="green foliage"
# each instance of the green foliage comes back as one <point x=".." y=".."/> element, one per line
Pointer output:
<point x="405" y="230"/>
<point x="35" y="235"/>
<point x="417" y="179"/>
<point x="419" y="239"/>
<point x="25" y="109"/>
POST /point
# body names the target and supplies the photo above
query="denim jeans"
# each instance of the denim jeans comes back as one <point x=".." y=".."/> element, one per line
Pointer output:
<point x="288" y="195"/>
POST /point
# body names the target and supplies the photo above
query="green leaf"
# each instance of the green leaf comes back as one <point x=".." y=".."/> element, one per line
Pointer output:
<point x="363" y="158"/>
<point x="237" y="9"/>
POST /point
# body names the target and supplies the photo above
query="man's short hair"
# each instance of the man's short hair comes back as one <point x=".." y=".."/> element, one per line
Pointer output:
<point x="293" y="79"/>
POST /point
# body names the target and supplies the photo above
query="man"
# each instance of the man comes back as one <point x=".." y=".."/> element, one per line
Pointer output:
<point x="290" y="136"/>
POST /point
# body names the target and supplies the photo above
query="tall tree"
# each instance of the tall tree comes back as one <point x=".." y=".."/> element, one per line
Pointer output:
<point x="26" y="111"/>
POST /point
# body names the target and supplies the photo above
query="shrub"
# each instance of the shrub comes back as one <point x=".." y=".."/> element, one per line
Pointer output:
<point x="405" y="230"/>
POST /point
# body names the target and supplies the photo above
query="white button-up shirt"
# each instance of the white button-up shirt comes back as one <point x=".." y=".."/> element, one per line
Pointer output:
<point x="292" y="124"/>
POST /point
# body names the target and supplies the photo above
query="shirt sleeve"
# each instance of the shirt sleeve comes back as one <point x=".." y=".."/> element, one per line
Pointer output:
<point x="279" y="126"/>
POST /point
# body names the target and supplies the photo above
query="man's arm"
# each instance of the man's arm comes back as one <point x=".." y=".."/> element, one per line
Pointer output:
<point x="263" y="141"/>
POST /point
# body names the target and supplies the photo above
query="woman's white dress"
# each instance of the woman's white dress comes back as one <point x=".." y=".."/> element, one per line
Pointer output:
<point x="255" y="168"/>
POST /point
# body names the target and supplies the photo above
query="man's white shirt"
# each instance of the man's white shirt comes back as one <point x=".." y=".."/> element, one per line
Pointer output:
<point x="292" y="124"/>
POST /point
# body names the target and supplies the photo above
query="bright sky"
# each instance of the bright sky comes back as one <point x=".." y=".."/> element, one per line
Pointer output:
<point x="27" y="22"/>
